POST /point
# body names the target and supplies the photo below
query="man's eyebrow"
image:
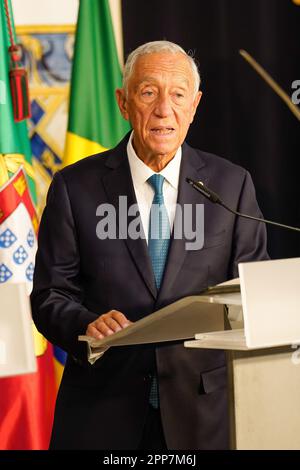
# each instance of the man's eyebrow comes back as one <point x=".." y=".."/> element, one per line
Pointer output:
<point x="149" y="79"/>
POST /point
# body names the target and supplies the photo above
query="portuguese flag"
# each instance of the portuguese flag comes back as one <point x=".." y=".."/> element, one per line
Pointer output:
<point x="95" y="122"/>
<point x="26" y="401"/>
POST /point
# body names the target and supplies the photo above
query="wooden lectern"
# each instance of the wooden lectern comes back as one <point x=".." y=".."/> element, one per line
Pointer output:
<point x="263" y="359"/>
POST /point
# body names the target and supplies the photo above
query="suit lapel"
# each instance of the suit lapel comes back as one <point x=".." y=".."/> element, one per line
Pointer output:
<point x="118" y="182"/>
<point x="192" y="166"/>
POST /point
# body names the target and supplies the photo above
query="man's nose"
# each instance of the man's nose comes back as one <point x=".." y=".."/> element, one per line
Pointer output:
<point x="163" y="106"/>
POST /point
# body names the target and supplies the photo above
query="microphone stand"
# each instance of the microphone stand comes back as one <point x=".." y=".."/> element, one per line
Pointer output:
<point x="214" y="198"/>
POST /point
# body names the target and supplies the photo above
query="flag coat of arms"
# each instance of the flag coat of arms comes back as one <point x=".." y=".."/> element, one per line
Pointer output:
<point x="18" y="226"/>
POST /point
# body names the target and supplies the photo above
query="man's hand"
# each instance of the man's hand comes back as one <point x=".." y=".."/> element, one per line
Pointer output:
<point x="107" y="324"/>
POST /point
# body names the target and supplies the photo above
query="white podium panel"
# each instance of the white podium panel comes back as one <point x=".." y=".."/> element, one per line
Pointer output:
<point x="16" y="334"/>
<point x="265" y="399"/>
<point x="270" y="301"/>
<point x="263" y="364"/>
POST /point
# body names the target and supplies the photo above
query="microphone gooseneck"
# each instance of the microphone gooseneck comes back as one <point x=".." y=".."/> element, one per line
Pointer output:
<point x="215" y="198"/>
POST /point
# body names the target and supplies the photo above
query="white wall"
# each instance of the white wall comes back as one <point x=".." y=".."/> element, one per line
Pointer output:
<point x="45" y="12"/>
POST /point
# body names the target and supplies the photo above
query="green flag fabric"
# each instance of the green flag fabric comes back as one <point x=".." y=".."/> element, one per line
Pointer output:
<point x="14" y="142"/>
<point x="95" y="122"/>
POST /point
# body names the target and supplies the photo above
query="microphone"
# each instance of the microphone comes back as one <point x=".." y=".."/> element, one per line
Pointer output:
<point x="215" y="198"/>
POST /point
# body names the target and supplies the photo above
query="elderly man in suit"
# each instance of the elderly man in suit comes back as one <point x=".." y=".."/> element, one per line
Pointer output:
<point x="152" y="396"/>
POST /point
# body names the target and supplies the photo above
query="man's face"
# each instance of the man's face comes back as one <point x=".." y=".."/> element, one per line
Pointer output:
<point x="160" y="103"/>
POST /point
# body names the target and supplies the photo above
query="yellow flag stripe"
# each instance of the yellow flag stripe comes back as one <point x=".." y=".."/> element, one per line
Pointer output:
<point x="11" y="162"/>
<point x="40" y="343"/>
<point x="78" y="147"/>
<point x="58" y="371"/>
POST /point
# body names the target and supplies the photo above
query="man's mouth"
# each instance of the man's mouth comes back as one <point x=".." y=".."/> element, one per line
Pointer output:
<point x="162" y="130"/>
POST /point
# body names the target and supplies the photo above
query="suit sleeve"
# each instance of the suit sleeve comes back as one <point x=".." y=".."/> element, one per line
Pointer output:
<point x="249" y="241"/>
<point x="56" y="298"/>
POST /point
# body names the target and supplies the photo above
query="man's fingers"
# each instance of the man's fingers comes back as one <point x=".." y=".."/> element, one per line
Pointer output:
<point x="93" y="332"/>
<point x="112" y="324"/>
<point x="98" y="329"/>
<point x="120" y="318"/>
<point x="103" y="327"/>
<point x="107" y="324"/>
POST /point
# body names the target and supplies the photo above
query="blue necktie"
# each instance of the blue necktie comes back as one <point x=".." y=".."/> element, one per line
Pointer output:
<point x="159" y="229"/>
<point x="158" y="245"/>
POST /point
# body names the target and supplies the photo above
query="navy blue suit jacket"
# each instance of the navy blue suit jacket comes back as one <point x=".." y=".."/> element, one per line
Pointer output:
<point x="78" y="277"/>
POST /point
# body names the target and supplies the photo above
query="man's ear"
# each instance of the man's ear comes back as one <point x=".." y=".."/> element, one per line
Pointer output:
<point x="122" y="102"/>
<point x="195" y="104"/>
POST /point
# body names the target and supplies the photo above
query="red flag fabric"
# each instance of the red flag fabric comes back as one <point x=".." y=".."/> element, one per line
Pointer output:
<point x="26" y="410"/>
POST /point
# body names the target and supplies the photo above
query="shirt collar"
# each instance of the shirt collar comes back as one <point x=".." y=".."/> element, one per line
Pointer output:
<point x="141" y="172"/>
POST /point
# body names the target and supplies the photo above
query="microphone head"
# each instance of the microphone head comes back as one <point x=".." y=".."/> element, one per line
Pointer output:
<point x="204" y="190"/>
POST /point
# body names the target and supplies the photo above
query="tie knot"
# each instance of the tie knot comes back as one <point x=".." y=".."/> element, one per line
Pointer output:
<point x="156" y="181"/>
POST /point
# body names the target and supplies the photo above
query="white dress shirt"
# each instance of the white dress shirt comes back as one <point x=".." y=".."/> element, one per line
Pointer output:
<point x="144" y="192"/>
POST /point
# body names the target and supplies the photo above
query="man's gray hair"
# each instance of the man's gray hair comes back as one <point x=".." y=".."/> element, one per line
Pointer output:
<point x="158" y="46"/>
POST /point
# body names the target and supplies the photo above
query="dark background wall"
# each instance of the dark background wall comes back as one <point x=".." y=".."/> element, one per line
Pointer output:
<point x="240" y="117"/>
